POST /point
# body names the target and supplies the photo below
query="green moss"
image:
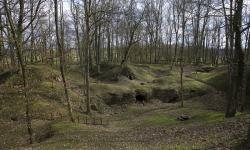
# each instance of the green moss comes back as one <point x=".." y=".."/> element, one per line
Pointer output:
<point x="184" y="146"/>
<point x="208" y="117"/>
<point x="160" y="120"/>
<point x="65" y="127"/>
<point x="46" y="99"/>
<point x="46" y="94"/>
<point x="194" y="88"/>
<point x="14" y="135"/>
<point x="142" y="73"/>
<point x="111" y="93"/>
<point x="41" y="72"/>
<point x="170" y="81"/>
<point x="198" y="116"/>
<point x="216" y="78"/>
<point x="111" y="74"/>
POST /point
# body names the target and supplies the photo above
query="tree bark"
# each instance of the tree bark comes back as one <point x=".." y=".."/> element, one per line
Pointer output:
<point x="17" y="35"/>
<point x="87" y="7"/>
<point x="237" y="66"/>
<point x="61" y="55"/>
<point x="181" y="51"/>
<point x="1" y="38"/>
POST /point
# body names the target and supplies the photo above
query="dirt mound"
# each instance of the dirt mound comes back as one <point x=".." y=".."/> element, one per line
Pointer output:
<point x="166" y="95"/>
<point x="138" y="95"/>
<point x="46" y="95"/>
<point x="142" y="95"/>
<point x="118" y="99"/>
<point x="205" y="69"/>
<point x="113" y="73"/>
<point x="7" y="74"/>
<point x="127" y="72"/>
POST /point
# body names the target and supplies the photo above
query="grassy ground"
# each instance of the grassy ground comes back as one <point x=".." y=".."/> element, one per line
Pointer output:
<point x="217" y="78"/>
<point x="151" y="128"/>
<point x="127" y="125"/>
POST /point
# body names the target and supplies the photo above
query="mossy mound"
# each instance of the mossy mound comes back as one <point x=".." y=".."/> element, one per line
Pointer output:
<point x="45" y="91"/>
<point x="113" y="73"/>
<point x="217" y="78"/>
<point x="14" y="134"/>
<point x="166" y="95"/>
<point x="205" y="69"/>
<point x="133" y="72"/>
<point x="142" y="95"/>
<point x="194" y="88"/>
<point x="46" y="94"/>
<point x="153" y="81"/>
<point x="7" y="74"/>
<point x="118" y="99"/>
<point x="166" y="88"/>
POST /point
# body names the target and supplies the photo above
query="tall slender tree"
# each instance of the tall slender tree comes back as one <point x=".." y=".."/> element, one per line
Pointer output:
<point x="62" y="58"/>
<point x="17" y="29"/>
<point x="237" y="66"/>
<point x="87" y="13"/>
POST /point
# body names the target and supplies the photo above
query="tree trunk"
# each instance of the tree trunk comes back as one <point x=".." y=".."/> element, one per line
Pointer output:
<point x="18" y="40"/>
<point x="237" y="66"/>
<point x="1" y="40"/>
<point x="87" y="7"/>
<point x="97" y="46"/>
<point x="61" y="55"/>
<point x="181" y="52"/>
<point x="243" y="102"/>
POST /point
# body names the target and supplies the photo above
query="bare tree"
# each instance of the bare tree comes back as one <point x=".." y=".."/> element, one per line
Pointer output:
<point x="183" y="17"/>
<point x="237" y="66"/>
<point x="60" y="46"/>
<point x="87" y="12"/>
<point x="17" y="29"/>
<point x="131" y="27"/>
<point x="176" y="22"/>
<point x="1" y="38"/>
